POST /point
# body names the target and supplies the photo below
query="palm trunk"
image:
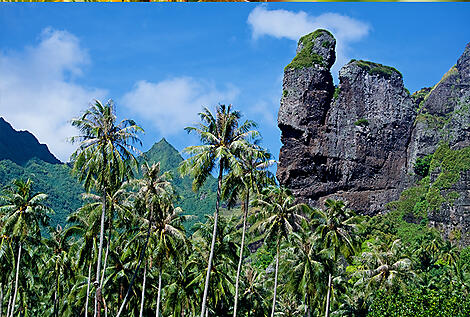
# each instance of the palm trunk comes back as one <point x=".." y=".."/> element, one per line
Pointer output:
<point x="107" y="250"/>
<point x="157" y="314"/>
<point x="275" y="278"/>
<point x="214" y="234"/>
<point x="88" y="290"/>
<point x="1" y="301"/>
<point x="16" y="281"/>
<point x="143" y="291"/>
<point x="100" y="251"/>
<point x="141" y="256"/>
<point x="9" y="303"/>
<point x="242" y="246"/>
<point x="327" y="309"/>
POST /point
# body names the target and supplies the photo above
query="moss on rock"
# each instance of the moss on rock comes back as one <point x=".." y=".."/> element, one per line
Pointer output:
<point x="306" y="57"/>
<point x="376" y="69"/>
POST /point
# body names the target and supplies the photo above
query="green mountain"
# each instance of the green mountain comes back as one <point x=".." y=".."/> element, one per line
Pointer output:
<point x="21" y="156"/>
<point x="195" y="204"/>
<point x="53" y="179"/>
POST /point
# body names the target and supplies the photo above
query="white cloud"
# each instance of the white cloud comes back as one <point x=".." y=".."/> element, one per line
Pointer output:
<point x="38" y="92"/>
<point x="293" y="25"/>
<point x="173" y="104"/>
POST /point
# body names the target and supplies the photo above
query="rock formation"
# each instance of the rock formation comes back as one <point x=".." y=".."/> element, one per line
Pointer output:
<point x="359" y="141"/>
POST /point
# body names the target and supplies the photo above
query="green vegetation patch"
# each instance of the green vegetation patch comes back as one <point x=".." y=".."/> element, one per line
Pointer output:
<point x="420" y="303"/>
<point x="416" y="202"/>
<point x="306" y="57"/>
<point x="422" y="164"/>
<point x="376" y="69"/>
<point x="336" y="93"/>
<point x="361" y="122"/>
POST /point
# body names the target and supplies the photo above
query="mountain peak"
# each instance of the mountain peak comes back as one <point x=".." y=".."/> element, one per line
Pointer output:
<point x="165" y="153"/>
<point x="21" y="146"/>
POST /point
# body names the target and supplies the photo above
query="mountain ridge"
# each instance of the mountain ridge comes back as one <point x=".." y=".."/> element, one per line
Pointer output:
<point x="54" y="178"/>
<point x="21" y="146"/>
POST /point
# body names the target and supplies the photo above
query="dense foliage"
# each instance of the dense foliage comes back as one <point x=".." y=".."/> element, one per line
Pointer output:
<point x="294" y="260"/>
<point x="65" y="191"/>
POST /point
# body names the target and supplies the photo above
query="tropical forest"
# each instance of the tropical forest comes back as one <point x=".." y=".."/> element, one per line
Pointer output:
<point x="364" y="211"/>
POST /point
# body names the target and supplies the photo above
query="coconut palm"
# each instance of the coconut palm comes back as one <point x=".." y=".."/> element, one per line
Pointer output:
<point x="103" y="159"/>
<point x="223" y="268"/>
<point x="305" y="269"/>
<point x="85" y="228"/>
<point x="221" y="136"/>
<point x="282" y="217"/>
<point x="154" y="192"/>
<point x="253" y="175"/>
<point x="384" y="267"/>
<point x="60" y="263"/>
<point x="167" y="241"/>
<point x="337" y="227"/>
<point x="22" y="215"/>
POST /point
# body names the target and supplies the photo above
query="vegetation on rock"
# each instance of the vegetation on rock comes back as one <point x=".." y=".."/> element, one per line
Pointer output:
<point x="307" y="57"/>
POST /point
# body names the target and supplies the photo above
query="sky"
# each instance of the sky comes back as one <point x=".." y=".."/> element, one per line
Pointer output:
<point x="161" y="62"/>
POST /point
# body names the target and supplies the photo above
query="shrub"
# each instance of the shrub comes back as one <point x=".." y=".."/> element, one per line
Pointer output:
<point x="361" y="122"/>
<point x="422" y="164"/>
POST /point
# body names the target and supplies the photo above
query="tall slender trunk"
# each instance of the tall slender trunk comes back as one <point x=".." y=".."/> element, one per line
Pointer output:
<point x="9" y="303"/>
<point x="141" y="256"/>
<point x="107" y="251"/>
<point x="88" y="290"/>
<point x="16" y="280"/>
<point x="275" y="278"/>
<point x="214" y="234"/>
<point x="157" y="313"/>
<point x="100" y="251"/>
<point x="1" y="300"/>
<point x="143" y="291"/>
<point x="242" y="246"/>
<point x="307" y="301"/>
<point x="327" y="309"/>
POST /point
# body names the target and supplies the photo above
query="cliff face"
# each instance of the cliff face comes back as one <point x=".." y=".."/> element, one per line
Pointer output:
<point x="360" y="141"/>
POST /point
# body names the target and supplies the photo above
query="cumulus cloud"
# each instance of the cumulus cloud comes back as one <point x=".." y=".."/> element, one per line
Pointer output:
<point x="172" y="104"/>
<point x="38" y="92"/>
<point x="293" y="25"/>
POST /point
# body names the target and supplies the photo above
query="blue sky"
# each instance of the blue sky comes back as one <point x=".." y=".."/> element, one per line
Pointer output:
<point x="161" y="63"/>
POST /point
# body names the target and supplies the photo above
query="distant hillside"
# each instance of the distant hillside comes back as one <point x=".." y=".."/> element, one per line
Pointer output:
<point x="55" y="180"/>
<point x="195" y="204"/>
<point x="21" y="156"/>
<point x="21" y="146"/>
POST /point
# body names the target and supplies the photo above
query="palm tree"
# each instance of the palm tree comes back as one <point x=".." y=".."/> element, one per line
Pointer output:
<point x="154" y="191"/>
<point x="22" y="215"/>
<point x="86" y="225"/>
<point x="103" y="160"/>
<point x="305" y="269"/>
<point x="337" y="228"/>
<point x="60" y="263"/>
<point x="384" y="267"/>
<point x="221" y="137"/>
<point x="282" y="217"/>
<point x="223" y="268"/>
<point x="168" y="241"/>
<point x="253" y="175"/>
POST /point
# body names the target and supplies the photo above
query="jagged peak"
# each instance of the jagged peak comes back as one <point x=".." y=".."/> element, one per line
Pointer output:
<point x="314" y="49"/>
<point x="21" y="146"/>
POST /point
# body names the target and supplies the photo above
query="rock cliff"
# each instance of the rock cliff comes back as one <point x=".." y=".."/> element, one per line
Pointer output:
<point x="360" y="141"/>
